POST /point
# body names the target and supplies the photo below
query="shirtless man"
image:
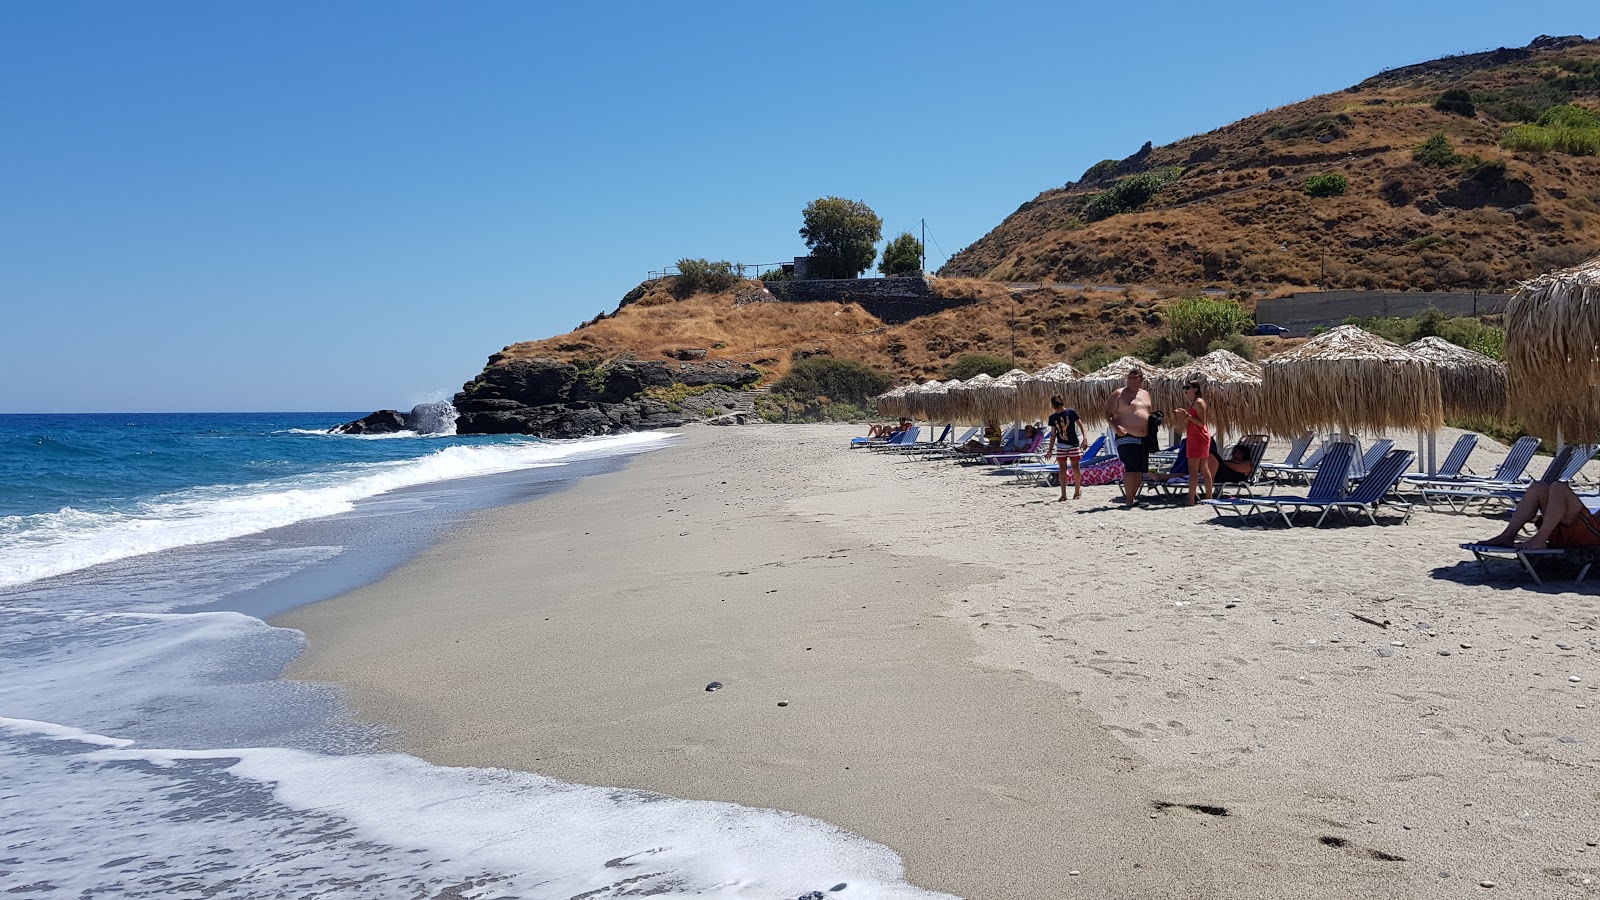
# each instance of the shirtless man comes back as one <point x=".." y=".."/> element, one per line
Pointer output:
<point x="1128" y="411"/>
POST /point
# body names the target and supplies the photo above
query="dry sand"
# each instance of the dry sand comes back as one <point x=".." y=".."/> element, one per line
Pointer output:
<point x="1001" y="688"/>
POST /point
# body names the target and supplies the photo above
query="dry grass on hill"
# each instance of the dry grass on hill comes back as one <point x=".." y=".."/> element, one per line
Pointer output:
<point x="1050" y="325"/>
<point x="1238" y="215"/>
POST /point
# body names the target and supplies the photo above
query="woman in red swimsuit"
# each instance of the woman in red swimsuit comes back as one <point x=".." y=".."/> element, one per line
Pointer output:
<point x="1197" y="441"/>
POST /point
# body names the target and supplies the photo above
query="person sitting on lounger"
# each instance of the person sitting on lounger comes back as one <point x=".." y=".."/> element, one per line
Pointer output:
<point x="1563" y="520"/>
<point x="991" y="442"/>
<point x="1237" y="468"/>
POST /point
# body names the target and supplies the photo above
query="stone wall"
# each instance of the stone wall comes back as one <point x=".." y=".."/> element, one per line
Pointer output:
<point x="1305" y="310"/>
<point x="894" y="300"/>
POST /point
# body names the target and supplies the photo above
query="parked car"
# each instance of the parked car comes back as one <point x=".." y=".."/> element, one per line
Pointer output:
<point x="1269" y="328"/>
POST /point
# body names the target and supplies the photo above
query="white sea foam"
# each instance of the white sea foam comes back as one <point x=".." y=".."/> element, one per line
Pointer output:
<point x="254" y="822"/>
<point x="39" y="546"/>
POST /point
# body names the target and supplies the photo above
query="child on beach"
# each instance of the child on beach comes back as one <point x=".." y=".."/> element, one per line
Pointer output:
<point x="1066" y="445"/>
<point x="1197" y="439"/>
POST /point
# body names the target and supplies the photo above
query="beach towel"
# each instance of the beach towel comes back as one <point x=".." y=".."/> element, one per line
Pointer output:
<point x="1108" y="472"/>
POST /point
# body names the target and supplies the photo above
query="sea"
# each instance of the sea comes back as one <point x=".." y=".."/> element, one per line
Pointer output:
<point x="150" y="747"/>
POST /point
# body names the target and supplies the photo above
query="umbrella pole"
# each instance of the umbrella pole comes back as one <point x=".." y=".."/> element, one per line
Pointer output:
<point x="1433" y="452"/>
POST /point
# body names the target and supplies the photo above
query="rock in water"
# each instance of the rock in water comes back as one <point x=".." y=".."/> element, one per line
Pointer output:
<point x="384" y="421"/>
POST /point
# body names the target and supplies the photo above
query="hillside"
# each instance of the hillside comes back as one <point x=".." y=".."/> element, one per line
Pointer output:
<point x="1236" y="213"/>
<point x="745" y="325"/>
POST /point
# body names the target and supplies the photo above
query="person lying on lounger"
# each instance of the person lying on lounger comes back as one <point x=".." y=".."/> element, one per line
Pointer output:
<point x="1563" y="520"/>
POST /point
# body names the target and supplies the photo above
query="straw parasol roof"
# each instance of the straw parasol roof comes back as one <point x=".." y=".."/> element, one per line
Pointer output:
<point x="1035" y="391"/>
<point x="997" y="399"/>
<point x="896" y="402"/>
<point x="1553" y="352"/>
<point x="1349" y="380"/>
<point x="1470" y="383"/>
<point x="963" y="399"/>
<point x="1232" y="393"/>
<point x="930" y="402"/>
<point x="1089" y="394"/>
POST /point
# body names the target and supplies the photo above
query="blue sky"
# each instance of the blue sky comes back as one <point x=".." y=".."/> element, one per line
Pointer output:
<point x="347" y="206"/>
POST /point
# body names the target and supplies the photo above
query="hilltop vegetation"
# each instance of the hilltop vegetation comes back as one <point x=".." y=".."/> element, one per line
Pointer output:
<point x="1464" y="173"/>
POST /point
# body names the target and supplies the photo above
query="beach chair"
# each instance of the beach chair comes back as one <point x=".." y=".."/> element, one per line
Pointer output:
<point x="1257" y="444"/>
<point x="1451" y="468"/>
<point x="1328" y="484"/>
<point x="1509" y="472"/>
<point x="1028" y="454"/>
<point x="1360" y="467"/>
<point x="905" y="438"/>
<point x="1297" y="451"/>
<point x="1484" y="552"/>
<point x="1366" y="499"/>
<point x="939" y="451"/>
<point x="1563" y="466"/>
<point x="1304" y="472"/>
<point x="940" y="442"/>
<point x="1045" y="472"/>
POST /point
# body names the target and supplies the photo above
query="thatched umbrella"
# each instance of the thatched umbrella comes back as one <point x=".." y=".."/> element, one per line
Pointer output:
<point x="927" y="401"/>
<point x="1089" y="393"/>
<point x="963" y="399"/>
<point x="1348" y="380"/>
<point x="1553" y="352"/>
<point x="1035" y="391"/>
<point x="1470" y="384"/>
<point x="896" y="403"/>
<point x="997" y="398"/>
<point x="1232" y="392"/>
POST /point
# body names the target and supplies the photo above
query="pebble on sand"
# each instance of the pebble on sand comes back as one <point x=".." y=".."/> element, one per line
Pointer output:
<point x="714" y="686"/>
<point x="783" y="703"/>
<point x="1574" y="679"/>
<point x="1074" y="872"/>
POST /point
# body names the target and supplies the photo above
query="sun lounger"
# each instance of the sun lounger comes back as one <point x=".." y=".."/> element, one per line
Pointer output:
<point x="1563" y="466"/>
<point x="905" y="438"/>
<point x="1029" y="454"/>
<point x="1367" y="499"/>
<point x="1297" y="451"/>
<point x="1453" y="463"/>
<point x="1485" y="552"/>
<point x="1306" y="471"/>
<point x="938" y="450"/>
<point x="1508" y="473"/>
<point x="1327" y="485"/>
<point x="1038" y="472"/>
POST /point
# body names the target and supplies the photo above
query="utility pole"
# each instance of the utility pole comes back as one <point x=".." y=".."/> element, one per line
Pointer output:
<point x="924" y="248"/>
<point x="1013" y="343"/>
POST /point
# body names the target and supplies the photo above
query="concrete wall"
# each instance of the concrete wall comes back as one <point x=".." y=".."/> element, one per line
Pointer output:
<point x="1303" y="311"/>
<point x="894" y="300"/>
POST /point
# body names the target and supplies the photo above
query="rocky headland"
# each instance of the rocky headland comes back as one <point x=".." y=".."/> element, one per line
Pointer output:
<point x="552" y="398"/>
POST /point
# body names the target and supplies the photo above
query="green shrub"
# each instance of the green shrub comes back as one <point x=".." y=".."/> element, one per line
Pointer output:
<point x="1095" y="357"/>
<point x="703" y="276"/>
<point x="1457" y="102"/>
<point x="1567" y="129"/>
<point x="1330" y="184"/>
<point x="1235" y="344"/>
<point x="1153" y="350"/>
<point x="1099" y="170"/>
<point x="1175" y="359"/>
<point x="841" y="380"/>
<point x="1437" y="151"/>
<point x="771" y="275"/>
<point x="1463" y="331"/>
<point x="1195" y="322"/>
<point x="970" y="364"/>
<point x="1130" y="193"/>
<point x="903" y="255"/>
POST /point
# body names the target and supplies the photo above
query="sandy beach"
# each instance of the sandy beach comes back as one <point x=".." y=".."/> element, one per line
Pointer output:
<point x="1021" y="698"/>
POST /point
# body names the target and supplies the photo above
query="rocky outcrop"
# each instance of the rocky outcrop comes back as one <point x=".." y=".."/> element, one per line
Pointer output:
<point x="384" y="421"/>
<point x="550" y="398"/>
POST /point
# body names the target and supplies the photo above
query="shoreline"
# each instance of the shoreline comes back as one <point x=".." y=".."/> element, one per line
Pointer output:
<point x="994" y="699"/>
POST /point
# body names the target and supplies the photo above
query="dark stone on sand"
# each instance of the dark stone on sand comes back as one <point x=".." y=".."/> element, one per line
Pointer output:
<point x="838" y="887"/>
<point x="714" y="686"/>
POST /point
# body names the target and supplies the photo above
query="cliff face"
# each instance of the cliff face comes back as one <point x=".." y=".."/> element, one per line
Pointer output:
<point x="551" y="398"/>
<point x="1231" y="208"/>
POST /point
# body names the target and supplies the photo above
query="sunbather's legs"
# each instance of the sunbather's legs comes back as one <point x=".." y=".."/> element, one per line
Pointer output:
<point x="1556" y="502"/>
<point x="1561" y="507"/>
<point x="1527" y="510"/>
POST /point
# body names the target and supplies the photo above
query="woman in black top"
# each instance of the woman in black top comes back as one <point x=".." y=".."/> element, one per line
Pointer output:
<point x="1066" y="444"/>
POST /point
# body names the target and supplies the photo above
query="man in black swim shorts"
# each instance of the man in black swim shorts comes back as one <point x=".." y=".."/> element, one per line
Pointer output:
<point x="1128" y="411"/>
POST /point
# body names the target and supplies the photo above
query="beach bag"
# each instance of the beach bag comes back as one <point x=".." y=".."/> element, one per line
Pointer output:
<point x="1152" y="434"/>
<point x="1108" y="472"/>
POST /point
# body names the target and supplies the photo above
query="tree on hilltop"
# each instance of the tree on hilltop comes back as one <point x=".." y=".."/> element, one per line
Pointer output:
<point x="903" y="256"/>
<point x="843" y="236"/>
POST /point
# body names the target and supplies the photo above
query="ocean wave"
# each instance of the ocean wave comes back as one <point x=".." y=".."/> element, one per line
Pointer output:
<point x="43" y="545"/>
<point x="386" y="825"/>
